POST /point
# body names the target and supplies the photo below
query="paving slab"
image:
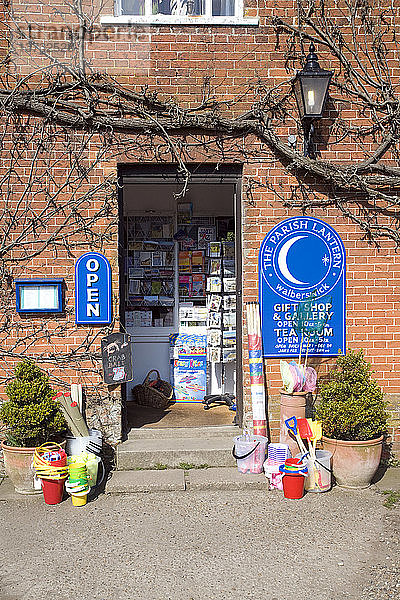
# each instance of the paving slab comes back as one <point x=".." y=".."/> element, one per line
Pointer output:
<point x="390" y="480"/>
<point x="225" y="478"/>
<point x="128" y="482"/>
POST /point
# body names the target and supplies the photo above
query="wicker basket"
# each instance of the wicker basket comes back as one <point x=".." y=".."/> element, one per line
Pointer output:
<point x="148" y="395"/>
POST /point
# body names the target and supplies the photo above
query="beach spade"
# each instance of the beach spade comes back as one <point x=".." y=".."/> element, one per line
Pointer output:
<point x="291" y="424"/>
<point x="306" y="433"/>
<point x="316" y="427"/>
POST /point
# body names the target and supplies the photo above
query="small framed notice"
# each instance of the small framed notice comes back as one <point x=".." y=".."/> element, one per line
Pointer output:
<point x="39" y="295"/>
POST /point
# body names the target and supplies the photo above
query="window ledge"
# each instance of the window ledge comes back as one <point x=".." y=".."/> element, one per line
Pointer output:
<point x="176" y="20"/>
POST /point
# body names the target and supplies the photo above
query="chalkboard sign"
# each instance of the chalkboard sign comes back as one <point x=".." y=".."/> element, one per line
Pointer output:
<point x="116" y="352"/>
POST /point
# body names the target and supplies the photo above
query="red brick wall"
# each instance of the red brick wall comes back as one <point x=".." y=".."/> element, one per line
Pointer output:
<point x="175" y="61"/>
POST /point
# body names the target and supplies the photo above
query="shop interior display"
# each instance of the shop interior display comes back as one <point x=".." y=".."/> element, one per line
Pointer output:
<point x="180" y="275"/>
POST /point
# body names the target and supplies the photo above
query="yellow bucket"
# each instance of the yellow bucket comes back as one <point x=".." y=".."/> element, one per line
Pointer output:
<point x="79" y="500"/>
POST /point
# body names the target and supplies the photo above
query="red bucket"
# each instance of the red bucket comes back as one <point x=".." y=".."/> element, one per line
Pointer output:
<point x="53" y="489"/>
<point x="293" y="486"/>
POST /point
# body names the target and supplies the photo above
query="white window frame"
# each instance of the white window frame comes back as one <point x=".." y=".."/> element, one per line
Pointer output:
<point x="207" y="19"/>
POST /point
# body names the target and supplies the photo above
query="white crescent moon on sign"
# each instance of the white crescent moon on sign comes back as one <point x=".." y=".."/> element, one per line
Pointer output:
<point x="282" y="260"/>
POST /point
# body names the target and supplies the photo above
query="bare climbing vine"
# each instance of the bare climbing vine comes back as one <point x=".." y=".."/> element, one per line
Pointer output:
<point x="62" y="121"/>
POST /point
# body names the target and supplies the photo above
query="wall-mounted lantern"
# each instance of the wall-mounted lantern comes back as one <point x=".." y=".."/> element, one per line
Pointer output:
<point x="311" y="90"/>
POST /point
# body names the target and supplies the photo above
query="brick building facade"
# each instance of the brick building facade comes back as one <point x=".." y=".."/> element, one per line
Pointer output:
<point x="232" y="57"/>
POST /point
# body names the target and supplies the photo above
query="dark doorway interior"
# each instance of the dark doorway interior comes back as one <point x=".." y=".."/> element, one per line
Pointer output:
<point x="168" y="271"/>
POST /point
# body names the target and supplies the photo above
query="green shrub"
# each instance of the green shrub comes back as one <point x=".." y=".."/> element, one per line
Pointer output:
<point x="31" y="415"/>
<point x="352" y="406"/>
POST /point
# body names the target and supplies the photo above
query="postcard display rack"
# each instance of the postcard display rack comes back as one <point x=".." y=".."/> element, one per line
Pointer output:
<point x="207" y="304"/>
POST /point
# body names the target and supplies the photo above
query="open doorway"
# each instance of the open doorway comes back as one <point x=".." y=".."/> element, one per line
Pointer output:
<point x="181" y="291"/>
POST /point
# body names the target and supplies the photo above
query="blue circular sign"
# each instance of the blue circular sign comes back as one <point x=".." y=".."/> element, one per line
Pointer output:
<point x="302" y="256"/>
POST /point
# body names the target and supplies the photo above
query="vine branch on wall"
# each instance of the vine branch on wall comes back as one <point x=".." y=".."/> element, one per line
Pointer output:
<point x="61" y="121"/>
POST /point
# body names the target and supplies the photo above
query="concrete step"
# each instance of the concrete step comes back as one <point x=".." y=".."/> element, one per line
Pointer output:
<point x="146" y="433"/>
<point x="146" y="453"/>
<point x="216" y="478"/>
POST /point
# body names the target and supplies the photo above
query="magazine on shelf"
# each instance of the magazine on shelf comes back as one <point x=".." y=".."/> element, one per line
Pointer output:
<point x="167" y="288"/>
<point x="185" y="286"/>
<point x="156" y="231"/>
<point x="166" y="301"/>
<point x="150" y="245"/>
<point x="156" y="286"/>
<point x="197" y="261"/>
<point x="229" y="339"/>
<point x="169" y="258"/>
<point x="184" y="262"/>
<point x="167" y="230"/>
<point x="134" y="286"/>
<point x="198" y="286"/>
<point x="185" y="212"/>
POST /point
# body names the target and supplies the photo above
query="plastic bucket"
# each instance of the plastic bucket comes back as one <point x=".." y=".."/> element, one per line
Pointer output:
<point x="79" y="500"/>
<point x="95" y="444"/>
<point x="320" y="478"/>
<point x="92" y="443"/>
<point x="53" y="490"/>
<point x="293" y="486"/>
<point x="92" y="467"/>
<point x="278" y="453"/>
<point x="249" y="452"/>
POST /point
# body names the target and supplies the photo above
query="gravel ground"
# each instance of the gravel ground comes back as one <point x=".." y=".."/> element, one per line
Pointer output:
<point x="202" y="545"/>
<point x="384" y="580"/>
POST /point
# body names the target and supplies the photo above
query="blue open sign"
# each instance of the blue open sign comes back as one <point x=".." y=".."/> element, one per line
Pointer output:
<point x="92" y="289"/>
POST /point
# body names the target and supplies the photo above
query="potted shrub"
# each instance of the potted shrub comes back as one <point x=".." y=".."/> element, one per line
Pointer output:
<point x="31" y="417"/>
<point x="354" y="418"/>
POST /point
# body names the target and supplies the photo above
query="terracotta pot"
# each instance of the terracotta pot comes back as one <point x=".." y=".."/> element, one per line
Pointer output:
<point x="17" y="462"/>
<point x="354" y="463"/>
<point x="291" y="405"/>
<point x="18" y="465"/>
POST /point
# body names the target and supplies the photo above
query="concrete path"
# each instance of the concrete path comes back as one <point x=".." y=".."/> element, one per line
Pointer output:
<point x="200" y="545"/>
